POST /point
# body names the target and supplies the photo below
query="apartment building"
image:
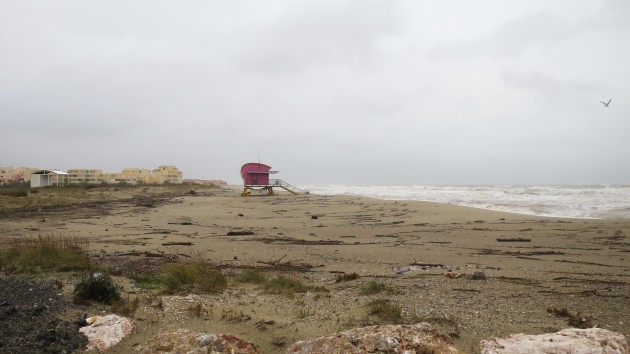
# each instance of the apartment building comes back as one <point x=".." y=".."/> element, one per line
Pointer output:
<point x="79" y="176"/>
<point x="160" y="175"/>
<point x="10" y="175"/>
<point x="169" y="174"/>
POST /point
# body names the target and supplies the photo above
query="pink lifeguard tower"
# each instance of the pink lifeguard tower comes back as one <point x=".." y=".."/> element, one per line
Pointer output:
<point x="256" y="177"/>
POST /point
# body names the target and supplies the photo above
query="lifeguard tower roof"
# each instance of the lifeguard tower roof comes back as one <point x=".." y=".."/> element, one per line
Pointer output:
<point x="256" y="174"/>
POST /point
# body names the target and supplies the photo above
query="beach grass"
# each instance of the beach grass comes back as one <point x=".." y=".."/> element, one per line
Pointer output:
<point x="148" y="281"/>
<point x="284" y="285"/>
<point x="385" y="311"/>
<point x="45" y="253"/>
<point x="372" y="287"/>
<point x="179" y="277"/>
<point x="251" y="277"/>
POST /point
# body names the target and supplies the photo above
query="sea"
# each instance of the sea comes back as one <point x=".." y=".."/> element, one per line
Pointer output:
<point x="569" y="201"/>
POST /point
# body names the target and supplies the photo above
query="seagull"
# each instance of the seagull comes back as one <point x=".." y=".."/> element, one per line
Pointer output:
<point x="606" y="103"/>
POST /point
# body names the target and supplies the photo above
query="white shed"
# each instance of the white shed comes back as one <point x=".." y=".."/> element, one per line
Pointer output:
<point x="44" y="178"/>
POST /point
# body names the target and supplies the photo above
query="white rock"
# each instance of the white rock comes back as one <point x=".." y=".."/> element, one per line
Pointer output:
<point x="570" y="341"/>
<point x="103" y="332"/>
<point x="418" y="338"/>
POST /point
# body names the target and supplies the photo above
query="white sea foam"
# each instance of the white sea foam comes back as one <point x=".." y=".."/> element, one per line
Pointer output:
<point x="591" y="201"/>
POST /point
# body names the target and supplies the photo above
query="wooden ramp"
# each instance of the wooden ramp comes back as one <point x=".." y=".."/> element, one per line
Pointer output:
<point x="289" y="188"/>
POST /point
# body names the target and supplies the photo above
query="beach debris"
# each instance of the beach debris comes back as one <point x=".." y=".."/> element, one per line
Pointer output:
<point x="427" y="265"/>
<point x="576" y="320"/>
<point x="286" y="240"/>
<point x="478" y="275"/>
<point x="262" y="324"/>
<point x="279" y="341"/>
<point x="187" y="341"/>
<point x="289" y="265"/>
<point x="277" y="261"/>
<point x="314" y="217"/>
<point x="488" y="267"/>
<point x="103" y="332"/>
<point x="402" y="270"/>
<point x="240" y="233"/>
<point x="516" y="239"/>
<point x="570" y="340"/>
<point x="153" y="254"/>
<point x="417" y="338"/>
<point x="177" y="244"/>
<point x="181" y="223"/>
<point x="346" y="277"/>
<point x="452" y="275"/>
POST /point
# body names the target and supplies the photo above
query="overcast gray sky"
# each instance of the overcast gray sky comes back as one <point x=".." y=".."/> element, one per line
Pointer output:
<point x="325" y="91"/>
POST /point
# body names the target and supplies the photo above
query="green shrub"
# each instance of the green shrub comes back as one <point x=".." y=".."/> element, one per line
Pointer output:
<point x="97" y="286"/>
<point x="250" y="276"/>
<point x="284" y="285"/>
<point x="385" y="311"/>
<point x="193" y="276"/>
<point x="372" y="287"/>
<point x="148" y="281"/>
<point x="14" y="192"/>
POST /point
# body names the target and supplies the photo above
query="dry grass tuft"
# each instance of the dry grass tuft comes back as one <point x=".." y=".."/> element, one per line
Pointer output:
<point x="576" y="320"/>
<point x="45" y="253"/>
<point x="385" y="311"/>
<point x="179" y="277"/>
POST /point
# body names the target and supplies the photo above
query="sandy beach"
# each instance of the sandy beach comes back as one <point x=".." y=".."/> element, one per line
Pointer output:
<point x="471" y="273"/>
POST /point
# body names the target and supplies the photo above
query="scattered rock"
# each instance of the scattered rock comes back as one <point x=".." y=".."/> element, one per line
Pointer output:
<point x="452" y="275"/>
<point x="478" y="275"/>
<point x="417" y="338"/>
<point x="570" y="340"/>
<point x="104" y="332"/>
<point x="190" y="342"/>
<point x="402" y="270"/>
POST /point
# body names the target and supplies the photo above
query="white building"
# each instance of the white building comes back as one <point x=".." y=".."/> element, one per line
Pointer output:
<point x="45" y="178"/>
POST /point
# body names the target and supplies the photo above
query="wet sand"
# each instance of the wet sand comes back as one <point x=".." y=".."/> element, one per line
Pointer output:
<point x="471" y="273"/>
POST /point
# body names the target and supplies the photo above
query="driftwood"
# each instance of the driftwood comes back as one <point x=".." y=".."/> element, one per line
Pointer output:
<point x="289" y="265"/>
<point x="274" y="263"/>
<point x="240" y="233"/>
<point x="177" y="244"/>
<point x="294" y="241"/>
<point x="420" y="264"/>
<point x="181" y="223"/>
<point x="517" y="239"/>
<point x="146" y="254"/>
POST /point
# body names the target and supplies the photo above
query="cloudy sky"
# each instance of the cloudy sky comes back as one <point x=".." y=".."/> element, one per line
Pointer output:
<point x="325" y="91"/>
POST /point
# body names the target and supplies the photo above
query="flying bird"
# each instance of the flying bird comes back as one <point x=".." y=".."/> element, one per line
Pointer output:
<point x="606" y="103"/>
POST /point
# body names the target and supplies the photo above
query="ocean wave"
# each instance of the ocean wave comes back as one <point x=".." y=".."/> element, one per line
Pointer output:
<point x="572" y="201"/>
